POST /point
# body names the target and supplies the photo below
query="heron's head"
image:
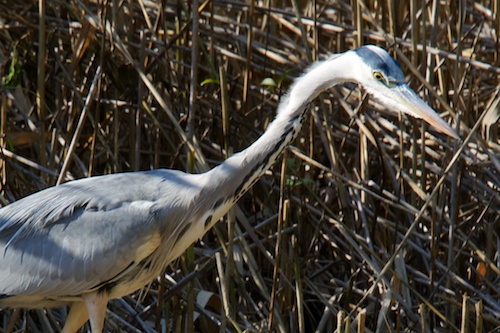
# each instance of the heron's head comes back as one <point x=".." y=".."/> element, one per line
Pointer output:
<point x="383" y="79"/>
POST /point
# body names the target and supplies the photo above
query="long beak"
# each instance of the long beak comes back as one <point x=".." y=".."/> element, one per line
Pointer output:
<point x="411" y="104"/>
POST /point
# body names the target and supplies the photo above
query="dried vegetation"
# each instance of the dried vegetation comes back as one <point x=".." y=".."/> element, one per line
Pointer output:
<point x="372" y="222"/>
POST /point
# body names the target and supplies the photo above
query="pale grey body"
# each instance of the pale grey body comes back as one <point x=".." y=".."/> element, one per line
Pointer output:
<point x="100" y="238"/>
<point x="95" y="233"/>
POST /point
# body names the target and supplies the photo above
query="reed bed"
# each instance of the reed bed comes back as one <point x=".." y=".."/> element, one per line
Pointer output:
<point x="370" y="222"/>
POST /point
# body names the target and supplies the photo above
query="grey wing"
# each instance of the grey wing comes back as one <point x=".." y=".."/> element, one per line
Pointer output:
<point x="69" y="239"/>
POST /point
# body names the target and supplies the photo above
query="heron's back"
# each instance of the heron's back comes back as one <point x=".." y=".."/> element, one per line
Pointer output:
<point x="114" y="232"/>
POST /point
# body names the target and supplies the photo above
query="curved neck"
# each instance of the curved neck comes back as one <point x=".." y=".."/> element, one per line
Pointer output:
<point x="231" y="179"/>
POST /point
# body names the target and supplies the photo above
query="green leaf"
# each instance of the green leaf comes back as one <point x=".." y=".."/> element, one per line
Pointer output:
<point x="210" y="81"/>
<point x="13" y="77"/>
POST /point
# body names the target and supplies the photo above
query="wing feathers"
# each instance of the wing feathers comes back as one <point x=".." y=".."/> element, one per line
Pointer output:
<point x="66" y="240"/>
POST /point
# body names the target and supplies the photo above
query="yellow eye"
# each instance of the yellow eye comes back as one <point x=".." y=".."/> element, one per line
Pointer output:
<point x="378" y="76"/>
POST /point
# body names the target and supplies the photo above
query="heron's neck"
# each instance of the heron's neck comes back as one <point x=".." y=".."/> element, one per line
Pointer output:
<point x="231" y="179"/>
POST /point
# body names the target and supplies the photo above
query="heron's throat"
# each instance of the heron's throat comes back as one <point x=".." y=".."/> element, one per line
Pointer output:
<point x="231" y="179"/>
<point x="242" y="170"/>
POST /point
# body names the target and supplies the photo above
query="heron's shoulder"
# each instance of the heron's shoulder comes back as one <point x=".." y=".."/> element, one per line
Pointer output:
<point x="101" y="193"/>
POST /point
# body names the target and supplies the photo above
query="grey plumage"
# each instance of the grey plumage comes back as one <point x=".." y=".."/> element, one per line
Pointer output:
<point x="95" y="239"/>
<point x="68" y="249"/>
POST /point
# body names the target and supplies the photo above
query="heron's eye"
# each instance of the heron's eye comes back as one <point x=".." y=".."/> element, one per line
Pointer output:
<point x="379" y="76"/>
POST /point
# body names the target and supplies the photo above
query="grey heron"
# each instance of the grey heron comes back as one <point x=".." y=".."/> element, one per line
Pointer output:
<point x="95" y="239"/>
